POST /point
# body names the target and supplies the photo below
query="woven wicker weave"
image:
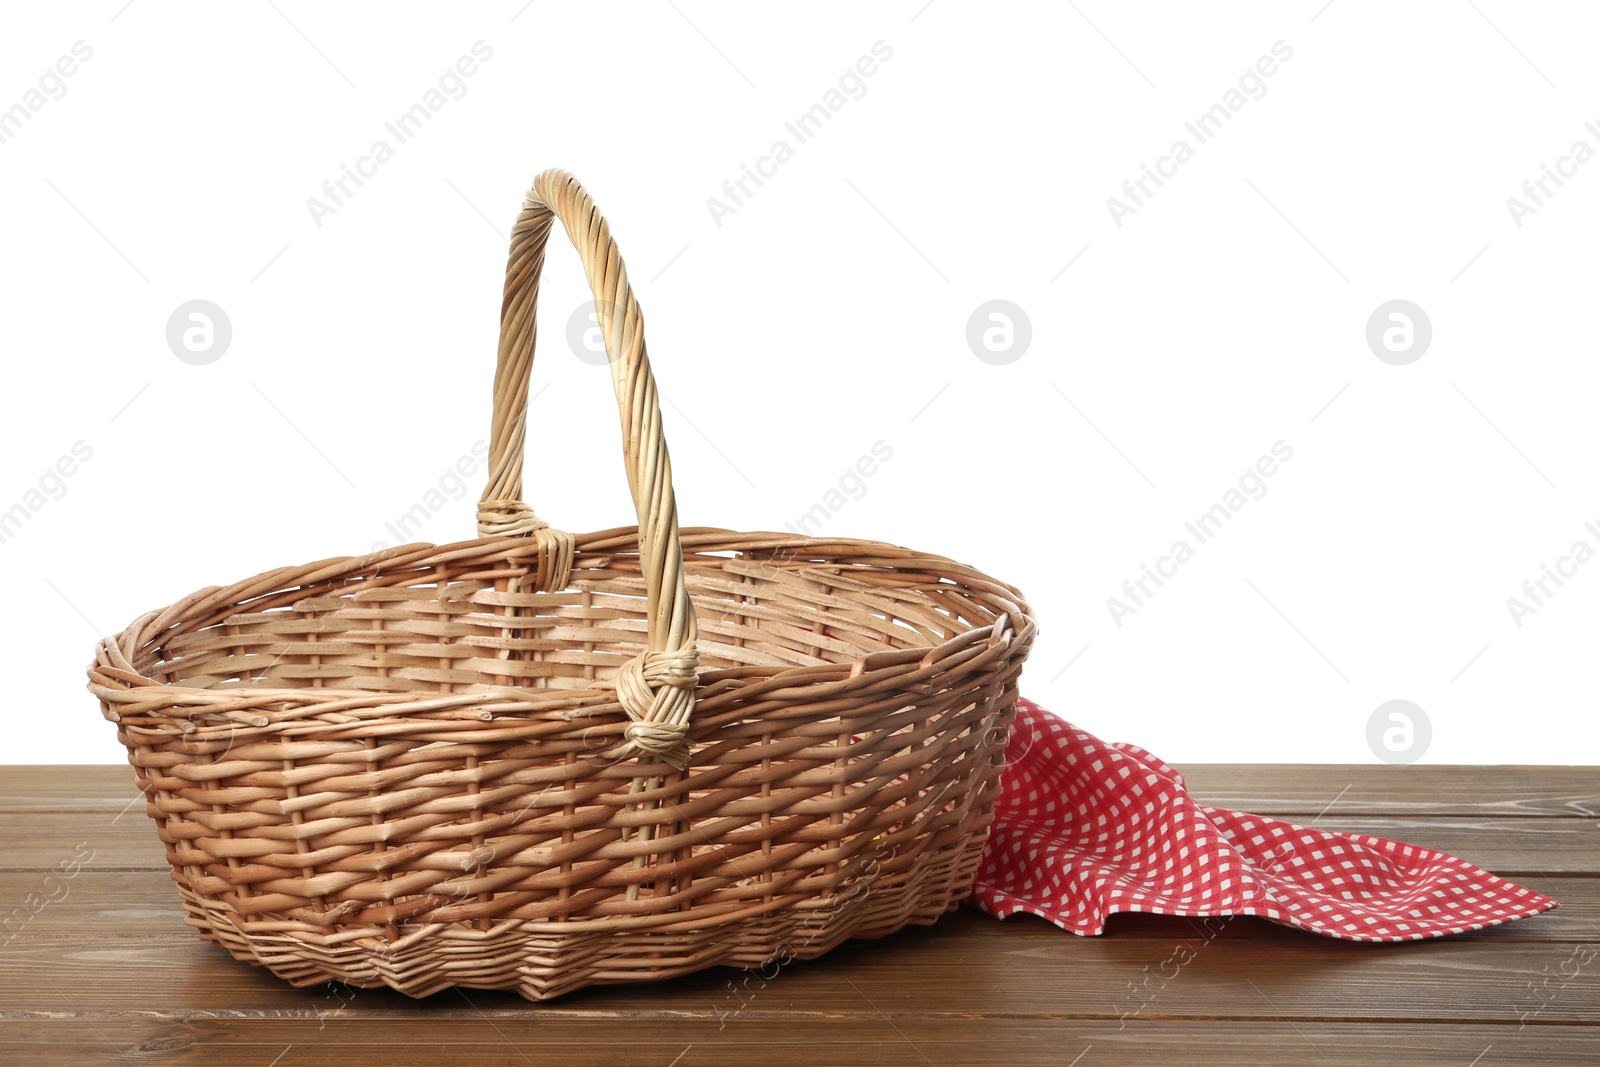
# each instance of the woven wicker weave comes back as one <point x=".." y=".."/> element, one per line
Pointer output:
<point x="534" y="761"/>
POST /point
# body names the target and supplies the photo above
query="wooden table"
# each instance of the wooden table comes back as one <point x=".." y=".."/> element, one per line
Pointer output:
<point x="108" y="973"/>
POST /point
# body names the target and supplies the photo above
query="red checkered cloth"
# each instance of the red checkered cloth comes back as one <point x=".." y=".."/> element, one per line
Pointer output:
<point x="1084" y="829"/>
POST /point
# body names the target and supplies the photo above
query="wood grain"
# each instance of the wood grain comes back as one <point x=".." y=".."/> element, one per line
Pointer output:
<point x="109" y="973"/>
<point x="926" y="972"/>
<point x="67" y="787"/>
<point x="462" y="1036"/>
<point x="1288" y="790"/>
<point x="519" y="1042"/>
<point x="40" y="841"/>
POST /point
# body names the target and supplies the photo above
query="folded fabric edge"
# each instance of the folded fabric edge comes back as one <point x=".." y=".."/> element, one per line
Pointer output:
<point x="1001" y="905"/>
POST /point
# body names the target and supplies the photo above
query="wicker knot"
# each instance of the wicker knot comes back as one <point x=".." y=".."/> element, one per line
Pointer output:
<point x="656" y="689"/>
<point x="513" y="518"/>
<point x="507" y="518"/>
<point x="657" y="738"/>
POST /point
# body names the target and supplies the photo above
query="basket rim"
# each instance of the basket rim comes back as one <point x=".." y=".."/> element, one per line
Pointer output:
<point x="112" y="670"/>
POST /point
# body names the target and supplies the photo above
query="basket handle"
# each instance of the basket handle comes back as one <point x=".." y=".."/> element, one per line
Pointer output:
<point x="657" y="687"/>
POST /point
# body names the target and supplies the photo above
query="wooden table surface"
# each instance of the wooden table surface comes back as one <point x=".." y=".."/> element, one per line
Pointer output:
<point x="99" y="968"/>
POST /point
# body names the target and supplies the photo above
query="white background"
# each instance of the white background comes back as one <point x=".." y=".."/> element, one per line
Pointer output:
<point x="829" y="312"/>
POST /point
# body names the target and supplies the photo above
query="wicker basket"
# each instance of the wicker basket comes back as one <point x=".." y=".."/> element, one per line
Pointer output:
<point x="535" y="761"/>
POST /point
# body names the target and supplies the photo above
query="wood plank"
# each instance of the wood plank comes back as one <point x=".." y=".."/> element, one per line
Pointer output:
<point x="91" y="904"/>
<point x="43" y="840"/>
<point x="108" y="973"/>
<point x="1290" y="790"/>
<point x="456" y="1034"/>
<point x="67" y="787"/>
<point x="1504" y="845"/>
<point x="924" y="972"/>
<point x="146" y="904"/>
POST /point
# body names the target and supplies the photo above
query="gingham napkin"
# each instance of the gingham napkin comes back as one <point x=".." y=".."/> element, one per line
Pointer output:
<point x="1084" y="829"/>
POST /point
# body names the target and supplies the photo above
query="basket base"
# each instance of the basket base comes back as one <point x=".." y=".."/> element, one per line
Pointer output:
<point x="540" y="965"/>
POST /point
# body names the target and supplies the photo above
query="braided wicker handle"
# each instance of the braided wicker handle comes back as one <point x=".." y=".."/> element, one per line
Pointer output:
<point x="657" y="687"/>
